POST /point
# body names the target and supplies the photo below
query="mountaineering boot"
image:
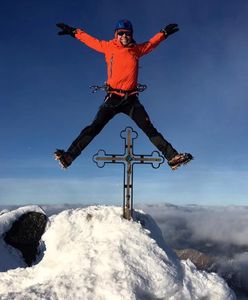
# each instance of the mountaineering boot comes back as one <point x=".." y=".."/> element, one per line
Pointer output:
<point x="63" y="157"/>
<point x="179" y="159"/>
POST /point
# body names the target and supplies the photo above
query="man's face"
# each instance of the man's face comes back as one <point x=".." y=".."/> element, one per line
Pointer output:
<point x="124" y="36"/>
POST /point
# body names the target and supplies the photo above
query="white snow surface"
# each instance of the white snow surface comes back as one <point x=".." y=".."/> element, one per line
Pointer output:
<point x="94" y="254"/>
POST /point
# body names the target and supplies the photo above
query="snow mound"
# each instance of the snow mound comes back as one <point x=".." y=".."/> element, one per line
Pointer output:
<point x="93" y="253"/>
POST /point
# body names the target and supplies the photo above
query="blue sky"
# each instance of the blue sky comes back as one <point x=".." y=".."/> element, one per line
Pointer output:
<point x="196" y="97"/>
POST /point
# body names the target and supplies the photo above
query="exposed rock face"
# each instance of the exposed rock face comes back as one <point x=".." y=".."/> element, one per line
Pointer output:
<point x="222" y="266"/>
<point x="25" y="234"/>
<point x="201" y="260"/>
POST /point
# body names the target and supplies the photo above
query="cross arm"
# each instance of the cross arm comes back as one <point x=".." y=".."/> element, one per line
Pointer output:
<point x="101" y="158"/>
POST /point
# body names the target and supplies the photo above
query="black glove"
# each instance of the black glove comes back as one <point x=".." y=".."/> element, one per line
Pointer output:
<point x="66" y="29"/>
<point x="170" y="29"/>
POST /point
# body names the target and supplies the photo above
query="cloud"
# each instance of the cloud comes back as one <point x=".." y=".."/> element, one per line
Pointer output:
<point x="192" y="224"/>
<point x="217" y="231"/>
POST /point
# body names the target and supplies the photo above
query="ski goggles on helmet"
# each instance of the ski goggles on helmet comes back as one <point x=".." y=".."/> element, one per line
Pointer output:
<point x="127" y="33"/>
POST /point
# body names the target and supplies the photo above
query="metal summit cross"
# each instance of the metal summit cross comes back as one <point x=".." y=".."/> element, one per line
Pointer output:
<point x="128" y="159"/>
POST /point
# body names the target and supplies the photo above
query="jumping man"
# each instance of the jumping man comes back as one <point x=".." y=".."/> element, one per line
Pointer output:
<point x="122" y="56"/>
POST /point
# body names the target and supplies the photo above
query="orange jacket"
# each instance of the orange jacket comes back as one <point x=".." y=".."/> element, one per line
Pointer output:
<point x="122" y="62"/>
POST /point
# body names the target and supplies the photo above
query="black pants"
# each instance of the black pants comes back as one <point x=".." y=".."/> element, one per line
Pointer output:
<point x="114" y="104"/>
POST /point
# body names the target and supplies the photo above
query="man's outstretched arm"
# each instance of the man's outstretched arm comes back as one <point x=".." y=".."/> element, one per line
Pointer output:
<point x="157" y="39"/>
<point x="81" y="35"/>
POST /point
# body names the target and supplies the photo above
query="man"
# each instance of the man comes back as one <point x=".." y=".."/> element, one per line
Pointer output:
<point x="122" y="57"/>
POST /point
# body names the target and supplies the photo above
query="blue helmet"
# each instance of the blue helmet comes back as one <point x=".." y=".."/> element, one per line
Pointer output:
<point x="124" y="24"/>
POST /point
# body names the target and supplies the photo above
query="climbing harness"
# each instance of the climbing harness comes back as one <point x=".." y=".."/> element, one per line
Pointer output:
<point x="108" y="89"/>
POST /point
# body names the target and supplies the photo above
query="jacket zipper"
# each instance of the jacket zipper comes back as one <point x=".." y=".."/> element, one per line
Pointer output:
<point x="111" y="65"/>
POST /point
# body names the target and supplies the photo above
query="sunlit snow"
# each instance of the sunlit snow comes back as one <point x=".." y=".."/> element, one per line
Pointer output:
<point x="93" y="253"/>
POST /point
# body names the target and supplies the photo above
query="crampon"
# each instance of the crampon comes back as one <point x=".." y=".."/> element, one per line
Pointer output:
<point x="180" y="159"/>
<point x="63" y="157"/>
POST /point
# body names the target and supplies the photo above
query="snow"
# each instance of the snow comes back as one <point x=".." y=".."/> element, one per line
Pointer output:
<point x="93" y="253"/>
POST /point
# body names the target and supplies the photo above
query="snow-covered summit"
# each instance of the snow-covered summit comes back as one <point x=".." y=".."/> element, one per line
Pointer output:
<point x="93" y="253"/>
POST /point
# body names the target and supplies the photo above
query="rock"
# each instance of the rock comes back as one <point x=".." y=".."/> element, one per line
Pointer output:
<point x="201" y="260"/>
<point x="234" y="274"/>
<point x="25" y="234"/>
